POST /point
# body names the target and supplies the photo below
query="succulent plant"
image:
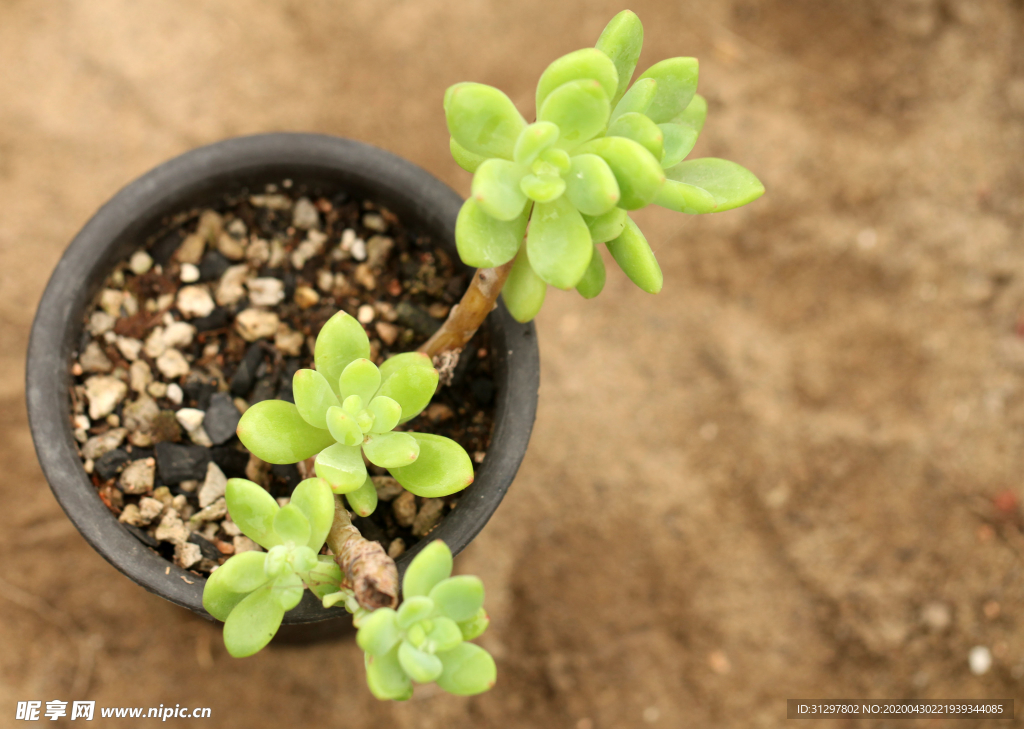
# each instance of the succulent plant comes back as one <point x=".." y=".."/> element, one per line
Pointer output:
<point x="598" y="149"/>
<point x="425" y="640"/>
<point x="347" y="408"/>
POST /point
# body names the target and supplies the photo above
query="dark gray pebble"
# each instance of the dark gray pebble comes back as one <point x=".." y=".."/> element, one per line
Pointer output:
<point x="231" y="461"/>
<point x="213" y="266"/>
<point x="483" y="390"/>
<point x="245" y="375"/>
<point x="219" y="318"/>
<point x="265" y="390"/>
<point x="221" y="418"/>
<point x="206" y="547"/>
<point x="176" y="463"/>
<point x="416" y="319"/>
<point x="111" y="463"/>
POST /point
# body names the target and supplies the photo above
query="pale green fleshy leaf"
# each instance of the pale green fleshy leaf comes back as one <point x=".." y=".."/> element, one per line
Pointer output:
<point x="343" y="427"/>
<point x="361" y="377"/>
<point x="386" y="414"/>
<point x="593" y="280"/>
<point x="727" y="182"/>
<point x="414" y="609"/>
<point x="694" y="114"/>
<point x="287" y="590"/>
<point x="640" y="129"/>
<point x="590" y="185"/>
<point x="342" y="467"/>
<point x="463" y="157"/>
<point x="486" y="242"/>
<point x="586" y="63"/>
<point x="524" y="290"/>
<point x="638" y="99"/>
<point x="253" y="510"/>
<point x="677" y="83"/>
<point x="411" y="387"/>
<point x="558" y="243"/>
<point x="363" y="500"/>
<point x="542" y="188"/>
<point x="219" y="599"/>
<point x="442" y="467"/>
<point x="243" y="572"/>
<point x="400" y="361"/>
<point x="324" y="579"/>
<point x="340" y="341"/>
<point x="378" y="632"/>
<point x="420" y="666"/>
<point x="274" y="432"/>
<point x="685" y="198"/>
<point x="458" y="598"/>
<point x="580" y="109"/>
<point x="386" y="678"/>
<point x="496" y="189"/>
<point x="475" y="626"/>
<point x="445" y="634"/>
<point x="313" y="395"/>
<point x="352" y="406"/>
<point x="637" y="171"/>
<point x="557" y="158"/>
<point x="429" y="567"/>
<point x="391" y="450"/>
<point x="291" y="525"/>
<point x="604" y="228"/>
<point x="635" y="257"/>
<point x="679" y="141"/>
<point x="533" y="140"/>
<point x="468" y="670"/>
<point x="313" y="497"/>
<point x="482" y="119"/>
<point x="252" y="623"/>
<point x="621" y="40"/>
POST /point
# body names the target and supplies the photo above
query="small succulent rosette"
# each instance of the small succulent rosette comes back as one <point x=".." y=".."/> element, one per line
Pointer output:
<point x="598" y="149"/>
<point x="426" y="639"/>
<point x="348" y="408"/>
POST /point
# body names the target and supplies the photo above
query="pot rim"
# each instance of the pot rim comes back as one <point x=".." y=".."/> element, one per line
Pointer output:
<point x="204" y="175"/>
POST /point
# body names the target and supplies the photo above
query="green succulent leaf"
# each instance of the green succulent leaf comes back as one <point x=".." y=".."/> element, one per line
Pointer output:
<point x="638" y="99"/>
<point x="219" y="599"/>
<point x="641" y="129"/>
<point x="727" y="182"/>
<point x="386" y="677"/>
<point x="524" y="290"/>
<point x="287" y="590"/>
<point x="679" y="141"/>
<point x="386" y="414"/>
<point x="496" y="189"/>
<point x="343" y="427"/>
<point x="252" y="623"/>
<point x="313" y="395"/>
<point x="621" y="40"/>
<point x="558" y="243"/>
<point x="637" y="171"/>
<point x="484" y="241"/>
<point x="314" y="499"/>
<point x="579" y="108"/>
<point x="557" y="158"/>
<point x="391" y="450"/>
<point x="533" y="140"/>
<point x="291" y="525"/>
<point x="243" y="572"/>
<point x="445" y="634"/>
<point x="586" y="63"/>
<point x="341" y="340"/>
<point x="364" y="499"/>
<point x="443" y="467"/>
<point x="414" y="609"/>
<point x="590" y="185"/>
<point x="253" y="510"/>
<point x="593" y="280"/>
<point x="427" y="569"/>
<point x="325" y="578"/>
<point x="683" y="198"/>
<point x="482" y="120"/>
<point x="609" y="226"/>
<point x="275" y="432"/>
<point x="459" y="598"/>
<point x="635" y="257"/>
<point x="475" y="626"/>
<point x="422" y="667"/>
<point x="360" y="377"/>
<point x="411" y="386"/>
<point x="694" y="114"/>
<point x="468" y="670"/>
<point x="342" y="467"/>
<point x="463" y="157"/>
<point x="379" y="632"/>
<point x="542" y="188"/>
<point x="677" y="83"/>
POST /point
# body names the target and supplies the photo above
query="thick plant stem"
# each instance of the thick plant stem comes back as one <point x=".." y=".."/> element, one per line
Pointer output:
<point x="467" y="316"/>
<point x="369" y="571"/>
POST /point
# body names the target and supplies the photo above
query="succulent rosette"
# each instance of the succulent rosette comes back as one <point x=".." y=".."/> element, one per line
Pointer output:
<point x="598" y="149"/>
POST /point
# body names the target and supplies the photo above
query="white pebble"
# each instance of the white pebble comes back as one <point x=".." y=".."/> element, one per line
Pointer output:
<point x="104" y="393"/>
<point x="190" y="418"/>
<point x="365" y="314"/>
<point x="175" y="393"/>
<point x="157" y="389"/>
<point x="305" y="215"/>
<point x="255" y="324"/>
<point x="313" y="245"/>
<point x="213" y="486"/>
<point x="172" y="364"/>
<point x="980" y="660"/>
<point x="140" y="262"/>
<point x="376" y="222"/>
<point x="189" y="273"/>
<point x="266" y="291"/>
<point x="359" y="249"/>
<point x="178" y="334"/>
<point x="100" y="322"/>
<point x="230" y="288"/>
<point x="130" y="348"/>
<point x="195" y="301"/>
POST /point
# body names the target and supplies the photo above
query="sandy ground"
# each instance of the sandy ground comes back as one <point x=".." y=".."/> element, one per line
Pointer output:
<point x="773" y="480"/>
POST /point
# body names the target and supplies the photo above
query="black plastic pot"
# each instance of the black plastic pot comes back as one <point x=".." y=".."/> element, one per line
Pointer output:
<point x="202" y="177"/>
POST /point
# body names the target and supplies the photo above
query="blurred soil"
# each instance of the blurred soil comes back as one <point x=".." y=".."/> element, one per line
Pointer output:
<point x="777" y="479"/>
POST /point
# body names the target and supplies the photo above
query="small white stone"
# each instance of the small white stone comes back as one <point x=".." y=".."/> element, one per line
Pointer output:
<point x="191" y="249"/>
<point x="179" y="334"/>
<point x="195" y="301"/>
<point x="375" y="222"/>
<point x="140" y="262"/>
<point x="313" y="245"/>
<point x="157" y="389"/>
<point x="190" y="418"/>
<point x="154" y="345"/>
<point x="230" y="528"/>
<point x="324" y="280"/>
<point x="267" y="291"/>
<point x="305" y="215"/>
<point x="187" y="554"/>
<point x="365" y="314"/>
<point x="258" y="252"/>
<point x="237" y="228"/>
<point x="278" y="255"/>
<point x="217" y="510"/>
<point x="138" y="476"/>
<point x="288" y="341"/>
<point x="359" y="249"/>
<point x="130" y="304"/>
<point x="94" y="360"/>
<point x="82" y="422"/>
<point x="129" y="348"/>
<point x="230" y="288"/>
<point x="100" y="322"/>
<point x="111" y="300"/>
<point x="174" y="393"/>
<point x="230" y="247"/>
<point x="348" y="237"/>
<point x="270" y="201"/>
<point x="149" y="509"/>
<point x="189" y="273"/>
<point x="99" y="445"/>
<point x="980" y="660"/>
<point x="139" y="375"/>
<point x="172" y="364"/>
<point x="253" y="324"/>
<point x="213" y="487"/>
<point x="104" y="393"/>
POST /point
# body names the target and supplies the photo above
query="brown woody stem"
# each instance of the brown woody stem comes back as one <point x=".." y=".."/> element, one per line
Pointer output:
<point x="369" y="571"/>
<point x="466" y="317"/>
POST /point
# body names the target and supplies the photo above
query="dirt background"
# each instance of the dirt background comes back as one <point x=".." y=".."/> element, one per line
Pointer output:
<point x="792" y="474"/>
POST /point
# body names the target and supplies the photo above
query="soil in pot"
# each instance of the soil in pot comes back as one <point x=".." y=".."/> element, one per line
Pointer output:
<point x="215" y="313"/>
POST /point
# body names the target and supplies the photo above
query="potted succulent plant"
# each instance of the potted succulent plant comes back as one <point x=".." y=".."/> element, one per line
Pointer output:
<point x="544" y="196"/>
